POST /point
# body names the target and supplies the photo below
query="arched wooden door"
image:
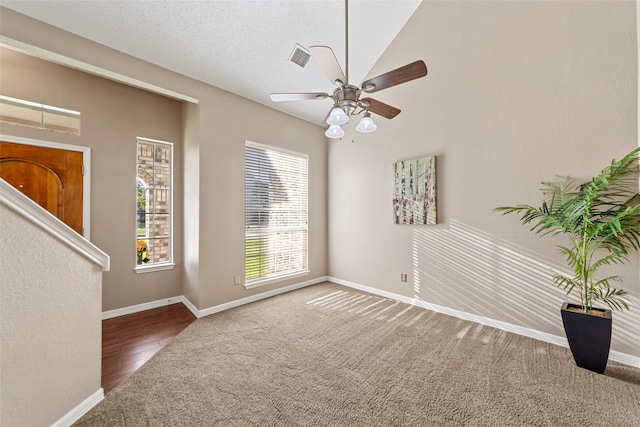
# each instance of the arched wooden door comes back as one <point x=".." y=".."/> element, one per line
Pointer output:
<point x="50" y="177"/>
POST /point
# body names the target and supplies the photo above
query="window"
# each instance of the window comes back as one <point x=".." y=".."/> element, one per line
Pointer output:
<point x="154" y="205"/>
<point x="31" y="114"/>
<point x="275" y="213"/>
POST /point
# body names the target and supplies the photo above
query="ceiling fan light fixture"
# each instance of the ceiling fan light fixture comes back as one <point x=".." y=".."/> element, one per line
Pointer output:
<point x="346" y="96"/>
<point x="337" y="116"/>
<point x="366" y="124"/>
<point x="334" y="132"/>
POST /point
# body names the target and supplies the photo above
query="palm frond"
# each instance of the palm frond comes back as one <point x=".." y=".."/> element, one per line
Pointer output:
<point x="566" y="283"/>
<point x="602" y="219"/>
<point x="616" y="299"/>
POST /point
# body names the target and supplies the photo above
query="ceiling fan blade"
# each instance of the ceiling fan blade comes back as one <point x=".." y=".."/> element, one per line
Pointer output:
<point x="325" y="57"/>
<point x="379" y="108"/>
<point x="398" y="76"/>
<point x="280" y="97"/>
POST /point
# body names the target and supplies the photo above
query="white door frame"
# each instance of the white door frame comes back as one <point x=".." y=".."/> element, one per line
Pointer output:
<point x="86" y="175"/>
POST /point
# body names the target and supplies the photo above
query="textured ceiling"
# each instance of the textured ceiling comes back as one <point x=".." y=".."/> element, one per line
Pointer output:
<point x="241" y="46"/>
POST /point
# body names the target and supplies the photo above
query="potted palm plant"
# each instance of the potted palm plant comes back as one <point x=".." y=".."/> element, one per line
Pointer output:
<point x="601" y="219"/>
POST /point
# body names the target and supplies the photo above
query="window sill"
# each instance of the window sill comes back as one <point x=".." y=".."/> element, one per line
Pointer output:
<point x="274" y="279"/>
<point x="152" y="268"/>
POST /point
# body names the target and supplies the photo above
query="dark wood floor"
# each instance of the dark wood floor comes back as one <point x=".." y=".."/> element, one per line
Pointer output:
<point x="129" y="341"/>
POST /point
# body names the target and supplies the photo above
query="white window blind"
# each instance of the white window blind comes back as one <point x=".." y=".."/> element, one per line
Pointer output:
<point x="276" y="185"/>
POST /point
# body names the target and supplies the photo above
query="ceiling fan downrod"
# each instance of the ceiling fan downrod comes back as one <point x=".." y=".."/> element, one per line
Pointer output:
<point x="346" y="97"/>
<point x="346" y="38"/>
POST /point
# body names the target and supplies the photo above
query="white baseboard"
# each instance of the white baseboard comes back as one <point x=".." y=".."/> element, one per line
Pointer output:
<point x="142" y="307"/>
<point x="207" y="311"/>
<point x="624" y="358"/>
<point x="192" y="308"/>
<point x="76" y="413"/>
<point x="254" y="298"/>
<point x="616" y="356"/>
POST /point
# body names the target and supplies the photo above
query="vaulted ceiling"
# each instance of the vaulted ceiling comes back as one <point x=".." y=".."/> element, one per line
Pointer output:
<point x="242" y="46"/>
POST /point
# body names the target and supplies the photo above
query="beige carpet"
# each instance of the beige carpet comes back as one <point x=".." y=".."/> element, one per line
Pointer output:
<point x="327" y="355"/>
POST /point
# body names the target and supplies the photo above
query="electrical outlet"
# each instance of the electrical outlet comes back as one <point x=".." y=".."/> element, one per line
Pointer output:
<point x="236" y="280"/>
<point x="403" y="277"/>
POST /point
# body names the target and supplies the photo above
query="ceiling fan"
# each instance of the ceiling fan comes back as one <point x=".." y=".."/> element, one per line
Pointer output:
<point x="347" y="97"/>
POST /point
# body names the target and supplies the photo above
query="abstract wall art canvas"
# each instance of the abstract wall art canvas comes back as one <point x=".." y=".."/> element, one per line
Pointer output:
<point x="414" y="191"/>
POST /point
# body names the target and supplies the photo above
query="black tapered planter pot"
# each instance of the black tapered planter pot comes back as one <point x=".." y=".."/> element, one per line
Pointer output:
<point x="589" y="336"/>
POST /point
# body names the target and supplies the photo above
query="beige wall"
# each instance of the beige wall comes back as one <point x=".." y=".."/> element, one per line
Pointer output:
<point x="51" y="325"/>
<point x="113" y="115"/>
<point x="215" y="131"/>
<point x="210" y="135"/>
<point x="517" y="92"/>
<point x="226" y="122"/>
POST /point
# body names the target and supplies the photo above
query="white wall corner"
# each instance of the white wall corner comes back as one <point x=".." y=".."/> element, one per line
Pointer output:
<point x="192" y="308"/>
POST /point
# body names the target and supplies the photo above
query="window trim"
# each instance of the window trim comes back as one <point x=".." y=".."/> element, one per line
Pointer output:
<point x="267" y="280"/>
<point x="275" y="278"/>
<point x="169" y="265"/>
<point x="141" y="269"/>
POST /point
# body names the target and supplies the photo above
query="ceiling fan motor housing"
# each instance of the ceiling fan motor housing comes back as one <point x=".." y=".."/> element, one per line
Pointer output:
<point x="346" y="97"/>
